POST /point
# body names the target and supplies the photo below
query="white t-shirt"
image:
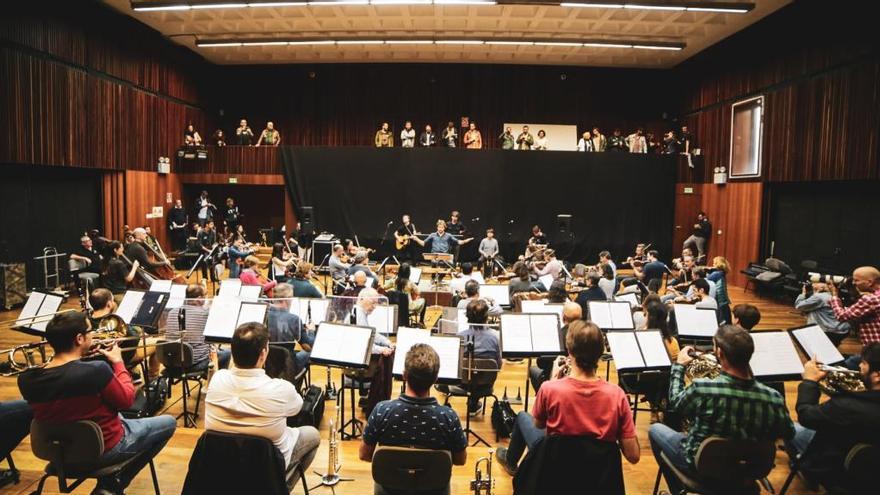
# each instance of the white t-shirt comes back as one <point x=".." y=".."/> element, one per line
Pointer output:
<point x="248" y="401"/>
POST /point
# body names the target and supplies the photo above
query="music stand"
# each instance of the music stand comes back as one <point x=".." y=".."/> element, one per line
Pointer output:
<point x="226" y="314"/>
<point x="344" y="347"/>
<point x="204" y="257"/>
<point x="638" y="353"/>
<point x="469" y="369"/>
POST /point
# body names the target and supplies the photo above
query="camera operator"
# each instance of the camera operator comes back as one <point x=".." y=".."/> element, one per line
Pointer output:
<point x="865" y="311"/>
<point x="814" y="302"/>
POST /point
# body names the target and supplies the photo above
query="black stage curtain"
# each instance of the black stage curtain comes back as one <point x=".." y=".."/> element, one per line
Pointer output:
<point x="46" y="206"/>
<point x="615" y="199"/>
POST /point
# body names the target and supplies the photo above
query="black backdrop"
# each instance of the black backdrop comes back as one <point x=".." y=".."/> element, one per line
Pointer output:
<point x="46" y="206"/>
<point x="616" y="200"/>
<point x="829" y="222"/>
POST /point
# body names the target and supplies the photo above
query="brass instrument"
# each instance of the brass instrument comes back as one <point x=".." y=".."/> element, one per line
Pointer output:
<point x="480" y="485"/>
<point x="332" y="478"/>
<point x="24" y="357"/>
<point x="704" y="365"/>
<point x="839" y="380"/>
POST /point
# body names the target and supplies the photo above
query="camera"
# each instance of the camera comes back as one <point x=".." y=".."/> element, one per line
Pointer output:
<point x="827" y="279"/>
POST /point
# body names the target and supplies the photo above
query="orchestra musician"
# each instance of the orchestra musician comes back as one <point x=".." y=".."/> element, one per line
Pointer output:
<point x="488" y="252"/>
<point x="193" y="332"/>
<point x="538" y="238"/>
<point x="303" y="239"/>
<point x="116" y="274"/>
<point x="700" y="296"/>
<point x="282" y="262"/>
<point x="339" y="266"/>
<point x="455" y="227"/>
<point x="402" y="236"/>
<point x="472" y="293"/>
<point x="231" y="216"/>
<point x="86" y="253"/>
<point x="207" y="239"/>
<point x="251" y="275"/>
<point x="177" y="222"/>
<point x="522" y="282"/>
<point x="235" y="255"/>
<point x="486" y="345"/>
<point x="302" y="281"/>
<point x="732" y="405"/>
<point x="102" y="303"/>
<point x="651" y="273"/>
<point x="137" y="251"/>
<point x="69" y="389"/>
<point x="360" y="264"/>
<point x="367" y="300"/>
<point x="549" y="266"/>
<point x="638" y="256"/>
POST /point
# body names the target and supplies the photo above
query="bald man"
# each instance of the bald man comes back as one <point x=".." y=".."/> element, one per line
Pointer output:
<point x="571" y="311"/>
<point x="137" y="250"/>
<point x="866" y="311"/>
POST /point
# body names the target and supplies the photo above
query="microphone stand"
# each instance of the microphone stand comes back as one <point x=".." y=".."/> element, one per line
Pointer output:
<point x="326" y="256"/>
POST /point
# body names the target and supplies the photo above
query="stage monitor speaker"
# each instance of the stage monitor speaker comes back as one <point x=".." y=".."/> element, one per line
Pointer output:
<point x="563" y="223"/>
<point x="307" y="219"/>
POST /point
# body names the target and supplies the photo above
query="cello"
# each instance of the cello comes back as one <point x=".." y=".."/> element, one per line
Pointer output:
<point x="164" y="272"/>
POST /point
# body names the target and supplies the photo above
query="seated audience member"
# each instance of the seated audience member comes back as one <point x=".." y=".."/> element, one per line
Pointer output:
<point x="746" y="316"/>
<point x="367" y="300"/>
<point x="467" y="274"/>
<point x="486" y="346"/>
<point x="285" y="328"/>
<point x="472" y="293"/>
<point x="250" y="275"/>
<point x="826" y="432"/>
<point x="301" y="282"/>
<point x="540" y="373"/>
<point x="191" y="136"/>
<point x="575" y="402"/>
<point x="195" y="317"/>
<point x="243" y="399"/>
<point x="270" y="136"/>
<point x="69" y="389"/>
<point x="866" y="310"/>
<point x="732" y="405"/>
<point x="607" y="282"/>
<point x="391" y="422"/>
<point x="817" y="308"/>
<point x="102" y="303"/>
<point x="592" y="293"/>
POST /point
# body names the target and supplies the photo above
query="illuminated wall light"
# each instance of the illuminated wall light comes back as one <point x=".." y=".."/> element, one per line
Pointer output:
<point x="277" y="4"/>
<point x="557" y="43"/>
<point x="168" y="7"/>
<point x="401" y="2"/>
<point x="459" y="42"/>
<point x="464" y="2"/>
<point x="220" y="6"/>
<point x="343" y="2"/>
<point x="409" y="42"/>
<point x="607" y="45"/>
<point x="360" y="42"/>
<point x="264" y="43"/>
<point x="730" y="10"/>
<point x="656" y="47"/>
<point x="316" y="42"/>
<point x="219" y="45"/>
<point x="509" y="43"/>
<point x="593" y="5"/>
<point x="654" y="7"/>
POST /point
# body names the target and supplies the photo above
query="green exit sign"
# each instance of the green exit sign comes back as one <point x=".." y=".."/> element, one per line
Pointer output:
<point x="233" y="180"/>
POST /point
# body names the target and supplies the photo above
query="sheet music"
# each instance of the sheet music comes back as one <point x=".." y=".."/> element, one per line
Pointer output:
<point x="693" y="322"/>
<point x="516" y="333"/>
<point x="406" y="338"/>
<point x="600" y="314"/>
<point x="129" y="305"/>
<point x="250" y="293"/>
<point x="31" y="306"/>
<point x="631" y="298"/>
<point x="621" y="315"/>
<point x="542" y="307"/>
<point x="547" y="280"/>
<point x="178" y="295"/>
<point x="50" y="305"/>
<point x="545" y="333"/>
<point x="449" y="350"/>
<point x="498" y="293"/>
<point x="462" y="319"/>
<point x="625" y="350"/>
<point x="371" y="282"/>
<point x="774" y="355"/>
<point x="415" y="274"/>
<point x="815" y="343"/>
<point x="160" y="285"/>
<point x="382" y="319"/>
<point x="222" y="317"/>
<point x="251" y="313"/>
<point x="229" y="288"/>
<point x="319" y="310"/>
<point x="653" y="349"/>
<point x="342" y="343"/>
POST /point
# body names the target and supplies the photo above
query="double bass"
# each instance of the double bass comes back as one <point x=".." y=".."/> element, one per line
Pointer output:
<point x="165" y="271"/>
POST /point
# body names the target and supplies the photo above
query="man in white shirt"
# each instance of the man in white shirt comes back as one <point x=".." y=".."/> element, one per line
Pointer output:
<point x="243" y="399"/>
<point x="367" y="301"/>
<point x="408" y="136"/>
<point x="552" y="267"/>
<point x="700" y="296"/>
<point x="472" y="293"/>
<point x="467" y="273"/>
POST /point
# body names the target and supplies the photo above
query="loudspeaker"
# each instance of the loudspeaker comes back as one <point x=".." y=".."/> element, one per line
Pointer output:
<point x="307" y="219"/>
<point x="563" y="223"/>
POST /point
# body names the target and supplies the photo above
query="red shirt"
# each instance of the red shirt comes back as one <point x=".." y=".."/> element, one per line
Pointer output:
<point x="80" y="390"/>
<point x="865" y="312"/>
<point x="597" y="409"/>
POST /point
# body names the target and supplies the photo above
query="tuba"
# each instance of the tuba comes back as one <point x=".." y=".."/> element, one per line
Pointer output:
<point x="840" y="380"/>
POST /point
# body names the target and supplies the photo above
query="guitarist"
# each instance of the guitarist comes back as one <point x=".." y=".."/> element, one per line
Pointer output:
<point x="402" y="237"/>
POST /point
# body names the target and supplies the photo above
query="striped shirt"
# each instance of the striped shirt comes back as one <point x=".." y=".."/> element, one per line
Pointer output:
<point x="727" y="407"/>
<point x="865" y="312"/>
<point x="196" y="319"/>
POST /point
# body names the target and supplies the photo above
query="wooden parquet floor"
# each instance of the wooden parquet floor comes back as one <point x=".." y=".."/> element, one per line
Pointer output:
<point x="172" y="462"/>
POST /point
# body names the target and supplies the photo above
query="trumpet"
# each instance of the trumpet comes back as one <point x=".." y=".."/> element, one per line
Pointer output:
<point x="480" y="485"/>
<point x="839" y="380"/>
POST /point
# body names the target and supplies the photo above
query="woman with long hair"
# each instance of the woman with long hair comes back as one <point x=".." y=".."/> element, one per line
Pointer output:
<point x="281" y="263"/>
<point x="251" y="275"/>
<point x="721" y="267"/>
<point x="116" y="275"/>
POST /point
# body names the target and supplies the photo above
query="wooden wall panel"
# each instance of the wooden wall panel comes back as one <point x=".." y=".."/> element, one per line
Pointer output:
<point x="735" y="210"/>
<point x="143" y="191"/>
<point x="234" y="160"/>
<point x="243" y="179"/>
